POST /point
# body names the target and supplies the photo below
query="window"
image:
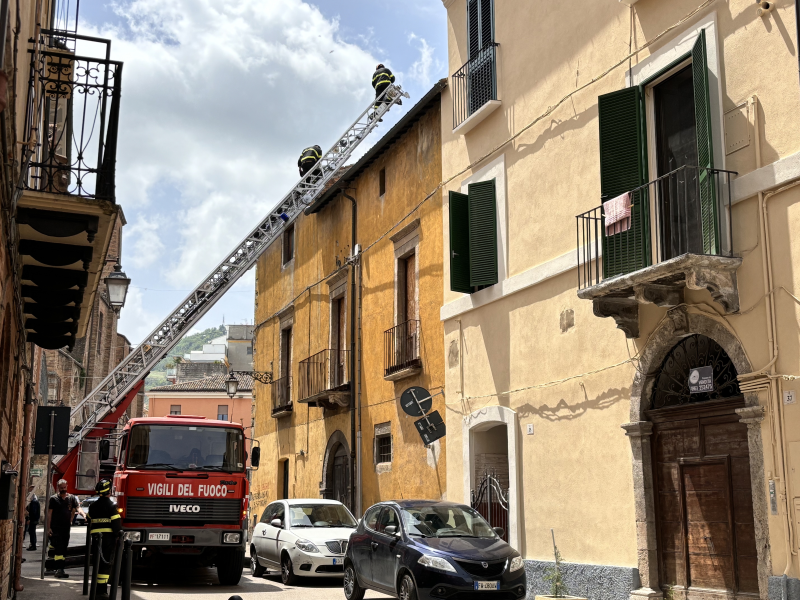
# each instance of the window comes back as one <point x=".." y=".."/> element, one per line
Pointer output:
<point x="407" y="288"/>
<point x="222" y="412"/>
<point x="647" y="132"/>
<point x="269" y="512"/>
<point x="382" y="181"/>
<point x="480" y="25"/>
<point x="99" y="333"/>
<point x="288" y="243"/>
<point x="473" y="238"/>
<point x="371" y="518"/>
<point x="388" y="517"/>
<point x="383" y="444"/>
<point x="249" y="350"/>
<point x="286" y="352"/>
<point x="175" y="409"/>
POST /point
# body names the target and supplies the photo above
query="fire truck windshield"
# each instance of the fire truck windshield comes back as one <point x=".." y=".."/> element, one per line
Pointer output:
<point x="184" y="447"/>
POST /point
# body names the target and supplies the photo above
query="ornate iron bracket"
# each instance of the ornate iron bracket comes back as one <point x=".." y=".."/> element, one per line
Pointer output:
<point x="264" y="377"/>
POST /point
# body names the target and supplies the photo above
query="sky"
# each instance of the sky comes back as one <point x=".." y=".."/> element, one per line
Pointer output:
<point x="218" y="100"/>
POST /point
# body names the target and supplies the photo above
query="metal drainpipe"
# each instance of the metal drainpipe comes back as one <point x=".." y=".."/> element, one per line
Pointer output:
<point x="353" y="441"/>
<point x="797" y="32"/>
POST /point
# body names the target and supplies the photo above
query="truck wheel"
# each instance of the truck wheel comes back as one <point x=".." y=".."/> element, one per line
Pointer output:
<point x="230" y="564"/>
<point x="287" y="571"/>
<point x="256" y="570"/>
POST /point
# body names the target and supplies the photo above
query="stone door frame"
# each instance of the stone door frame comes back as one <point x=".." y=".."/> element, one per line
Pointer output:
<point x="680" y="324"/>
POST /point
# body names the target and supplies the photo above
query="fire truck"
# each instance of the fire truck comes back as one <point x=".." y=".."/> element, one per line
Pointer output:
<point x="182" y="491"/>
<point x="181" y="482"/>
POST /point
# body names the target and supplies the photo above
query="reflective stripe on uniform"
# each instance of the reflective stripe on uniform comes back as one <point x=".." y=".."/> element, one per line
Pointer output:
<point x="102" y="578"/>
<point x="58" y="557"/>
<point x="379" y="75"/>
<point x="104" y="530"/>
<point x="114" y="517"/>
<point x="100" y="520"/>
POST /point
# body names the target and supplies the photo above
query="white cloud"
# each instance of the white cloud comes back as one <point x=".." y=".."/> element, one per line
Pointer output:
<point x="219" y="98"/>
<point x="136" y="321"/>
<point x="426" y="67"/>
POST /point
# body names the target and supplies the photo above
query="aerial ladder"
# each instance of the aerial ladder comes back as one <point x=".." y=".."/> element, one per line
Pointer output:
<point x="96" y="416"/>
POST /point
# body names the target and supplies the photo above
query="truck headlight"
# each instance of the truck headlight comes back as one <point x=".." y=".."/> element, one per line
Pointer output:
<point x="133" y="536"/>
<point x="435" y="562"/>
<point x="306" y="546"/>
<point x="516" y="564"/>
<point x="231" y="538"/>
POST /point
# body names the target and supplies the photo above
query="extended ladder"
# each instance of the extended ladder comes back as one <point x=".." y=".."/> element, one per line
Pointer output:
<point x="96" y="407"/>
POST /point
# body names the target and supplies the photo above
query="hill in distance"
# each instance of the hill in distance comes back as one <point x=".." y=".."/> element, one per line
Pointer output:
<point x="158" y="376"/>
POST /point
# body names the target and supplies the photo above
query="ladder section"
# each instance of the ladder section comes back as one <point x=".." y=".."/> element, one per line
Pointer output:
<point x="113" y="389"/>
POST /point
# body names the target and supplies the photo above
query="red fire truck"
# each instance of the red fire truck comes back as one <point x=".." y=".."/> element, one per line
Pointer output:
<point x="182" y="491"/>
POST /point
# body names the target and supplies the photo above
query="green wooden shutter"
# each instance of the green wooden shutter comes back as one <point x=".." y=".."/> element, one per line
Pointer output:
<point x="482" y="233"/>
<point x="459" y="243"/>
<point x="623" y="167"/>
<point x="705" y="152"/>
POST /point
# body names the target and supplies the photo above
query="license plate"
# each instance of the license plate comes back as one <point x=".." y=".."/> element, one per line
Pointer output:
<point x="487" y="585"/>
<point x="338" y="561"/>
<point x="163" y="537"/>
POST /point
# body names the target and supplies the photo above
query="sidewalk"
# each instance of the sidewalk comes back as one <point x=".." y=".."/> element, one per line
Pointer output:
<point x="50" y="588"/>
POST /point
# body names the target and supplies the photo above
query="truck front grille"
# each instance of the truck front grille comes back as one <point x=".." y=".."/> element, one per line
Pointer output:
<point x="200" y="510"/>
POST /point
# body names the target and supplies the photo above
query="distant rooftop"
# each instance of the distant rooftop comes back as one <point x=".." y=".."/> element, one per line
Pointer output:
<point x="216" y="383"/>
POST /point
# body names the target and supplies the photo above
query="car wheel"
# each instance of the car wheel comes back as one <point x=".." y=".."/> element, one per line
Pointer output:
<point x="256" y="570"/>
<point x="352" y="591"/>
<point x="408" y="590"/>
<point x="287" y="571"/>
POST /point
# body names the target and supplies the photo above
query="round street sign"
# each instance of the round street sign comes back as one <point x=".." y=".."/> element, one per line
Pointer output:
<point x="414" y="399"/>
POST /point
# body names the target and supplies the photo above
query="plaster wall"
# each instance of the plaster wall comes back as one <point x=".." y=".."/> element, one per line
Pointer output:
<point x="299" y="294"/>
<point x="506" y="346"/>
<point x="203" y="404"/>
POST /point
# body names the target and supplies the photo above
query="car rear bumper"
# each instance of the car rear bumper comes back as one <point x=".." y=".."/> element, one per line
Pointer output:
<point x="185" y="537"/>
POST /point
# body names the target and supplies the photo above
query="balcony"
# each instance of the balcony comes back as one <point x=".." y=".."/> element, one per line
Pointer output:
<point x="475" y="90"/>
<point x="282" y="397"/>
<point x="401" y="346"/>
<point x="680" y="237"/>
<point x="67" y="211"/>
<point x="325" y="379"/>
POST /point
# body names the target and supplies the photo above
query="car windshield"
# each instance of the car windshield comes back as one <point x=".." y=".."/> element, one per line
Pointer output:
<point x="320" y="515"/>
<point x="445" y="521"/>
<point x="183" y="447"/>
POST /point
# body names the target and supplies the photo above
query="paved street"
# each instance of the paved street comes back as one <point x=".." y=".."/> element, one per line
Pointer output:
<point x="199" y="582"/>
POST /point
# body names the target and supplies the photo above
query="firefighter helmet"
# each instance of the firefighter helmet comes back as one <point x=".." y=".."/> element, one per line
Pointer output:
<point x="103" y="487"/>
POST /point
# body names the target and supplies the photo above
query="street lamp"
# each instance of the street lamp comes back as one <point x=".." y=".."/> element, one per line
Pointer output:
<point x="117" y="285"/>
<point x="231" y="385"/>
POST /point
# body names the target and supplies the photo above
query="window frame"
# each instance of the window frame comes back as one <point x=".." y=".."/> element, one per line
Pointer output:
<point x="378" y="454"/>
<point x="382" y="182"/>
<point x="226" y="414"/>
<point x="172" y="407"/>
<point x="288" y="244"/>
<point x="378" y="509"/>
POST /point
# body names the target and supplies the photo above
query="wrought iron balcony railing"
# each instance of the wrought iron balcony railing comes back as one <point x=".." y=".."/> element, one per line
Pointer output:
<point x="325" y="371"/>
<point x="686" y="211"/>
<point x="73" y="117"/>
<point x="281" y="396"/>
<point x="401" y="346"/>
<point x="475" y="84"/>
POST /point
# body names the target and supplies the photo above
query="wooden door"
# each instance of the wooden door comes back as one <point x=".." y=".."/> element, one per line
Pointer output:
<point x="704" y="506"/>
<point x="410" y="308"/>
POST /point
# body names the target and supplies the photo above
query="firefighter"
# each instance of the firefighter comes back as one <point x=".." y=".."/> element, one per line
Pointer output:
<point x="61" y="511"/>
<point x="104" y="519"/>
<point x="308" y="159"/>
<point x="382" y="79"/>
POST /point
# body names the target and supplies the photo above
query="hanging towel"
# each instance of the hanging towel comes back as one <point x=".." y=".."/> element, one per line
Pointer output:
<point x="618" y="214"/>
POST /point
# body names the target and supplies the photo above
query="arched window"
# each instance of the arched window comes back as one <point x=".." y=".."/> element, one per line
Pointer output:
<point x="672" y="382"/>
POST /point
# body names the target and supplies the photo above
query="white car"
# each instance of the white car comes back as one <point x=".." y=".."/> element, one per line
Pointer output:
<point x="302" y="538"/>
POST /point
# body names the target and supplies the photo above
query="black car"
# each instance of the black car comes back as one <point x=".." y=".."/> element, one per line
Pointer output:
<point x="429" y="550"/>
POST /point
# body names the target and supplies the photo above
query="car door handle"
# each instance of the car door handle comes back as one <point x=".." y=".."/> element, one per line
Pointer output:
<point x="374" y="545"/>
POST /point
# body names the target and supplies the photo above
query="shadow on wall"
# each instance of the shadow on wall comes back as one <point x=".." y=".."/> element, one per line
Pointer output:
<point x="564" y="411"/>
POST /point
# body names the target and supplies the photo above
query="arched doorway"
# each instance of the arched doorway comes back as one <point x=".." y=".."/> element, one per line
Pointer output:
<point x="701" y="473"/>
<point x="336" y="470"/>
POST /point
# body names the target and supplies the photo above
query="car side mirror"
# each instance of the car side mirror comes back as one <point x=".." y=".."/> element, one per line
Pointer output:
<point x="390" y="530"/>
<point x="277" y="523"/>
<point x="255" y="456"/>
<point x="104" y="449"/>
<point x="499" y="531"/>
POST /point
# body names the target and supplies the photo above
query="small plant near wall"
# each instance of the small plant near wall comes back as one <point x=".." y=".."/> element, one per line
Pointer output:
<point x="554" y="575"/>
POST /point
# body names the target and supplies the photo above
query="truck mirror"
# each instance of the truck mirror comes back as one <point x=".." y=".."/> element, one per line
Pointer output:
<point x="104" y="449"/>
<point x="255" y="456"/>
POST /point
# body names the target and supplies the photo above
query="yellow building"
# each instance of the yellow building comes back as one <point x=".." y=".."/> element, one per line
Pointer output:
<point x="620" y="311"/>
<point x="330" y="425"/>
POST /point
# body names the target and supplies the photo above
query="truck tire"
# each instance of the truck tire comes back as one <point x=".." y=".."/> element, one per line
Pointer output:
<point x="230" y="564"/>
<point x="256" y="570"/>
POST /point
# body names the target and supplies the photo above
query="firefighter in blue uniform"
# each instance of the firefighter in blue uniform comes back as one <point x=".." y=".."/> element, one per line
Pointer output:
<point x="104" y="519"/>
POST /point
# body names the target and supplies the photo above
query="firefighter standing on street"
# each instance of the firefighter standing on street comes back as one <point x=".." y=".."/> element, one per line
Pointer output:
<point x="104" y="519"/>
<point x="308" y="159"/>
<point x="61" y="510"/>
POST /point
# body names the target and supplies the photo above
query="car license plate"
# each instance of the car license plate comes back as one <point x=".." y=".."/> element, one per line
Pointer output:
<point x="159" y="537"/>
<point x="487" y="585"/>
<point x="338" y="561"/>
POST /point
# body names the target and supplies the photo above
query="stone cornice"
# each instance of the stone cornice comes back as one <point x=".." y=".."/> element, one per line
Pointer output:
<point x="638" y="429"/>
